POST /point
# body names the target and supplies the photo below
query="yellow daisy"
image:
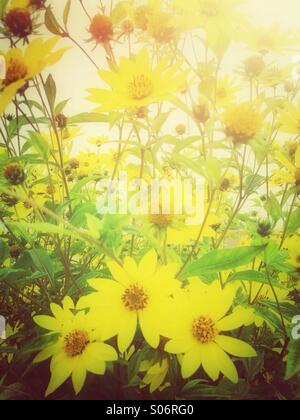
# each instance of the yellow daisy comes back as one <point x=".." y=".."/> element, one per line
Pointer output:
<point x="242" y="122"/>
<point x="208" y="13"/>
<point x="292" y="244"/>
<point x="23" y="65"/>
<point x="78" y="349"/>
<point x="135" y="83"/>
<point x="138" y="294"/>
<point x="268" y="40"/>
<point x="196" y="326"/>
<point x="290" y="174"/>
<point x="290" y="119"/>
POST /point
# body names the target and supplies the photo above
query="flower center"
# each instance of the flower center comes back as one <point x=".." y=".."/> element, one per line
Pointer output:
<point x="161" y="220"/>
<point x="140" y="87"/>
<point x="135" y="298"/>
<point x="204" y="330"/>
<point x="16" y="70"/>
<point x="76" y="342"/>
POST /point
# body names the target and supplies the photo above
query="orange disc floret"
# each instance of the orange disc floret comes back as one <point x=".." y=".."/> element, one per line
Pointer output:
<point x="101" y="28"/>
<point x="242" y="123"/>
<point x="18" y="22"/>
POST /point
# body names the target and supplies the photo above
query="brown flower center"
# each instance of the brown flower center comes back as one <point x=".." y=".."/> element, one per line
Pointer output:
<point x="161" y="220"/>
<point x="204" y="330"/>
<point x="140" y="87"/>
<point x="135" y="298"/>
<point x="18" y="22"/>
<point x="76" y="342"/>
<point x="16" y="70"/>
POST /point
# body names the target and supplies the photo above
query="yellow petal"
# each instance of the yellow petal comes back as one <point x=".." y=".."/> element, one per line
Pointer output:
<point x="127" y="332"/>
<point x="176" y="346"/>
<point x="191" y="362"/>
<point x="47" y="322"/>
<point x="148" y="264"/>
<point x="78" y="378"/>
<point x="210" y="361"/>
<point x="235" y="320"/>
<point x="235" y="347"/>
<point x="102" y="351"/>
<point x="58" y="377"/>
<point x="119" y="273"/>
<point x="226" y="365"/>
<point x="45" y="354"/>
<point x="149" y="328"/>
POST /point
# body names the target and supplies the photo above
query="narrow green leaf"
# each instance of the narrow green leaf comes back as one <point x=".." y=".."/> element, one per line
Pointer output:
<point x="50" y="88"/>
<point x="221" y="260"/>
<point x="293" y="360"/>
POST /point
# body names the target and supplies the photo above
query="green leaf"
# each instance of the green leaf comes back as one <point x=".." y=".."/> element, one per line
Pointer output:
<point x="135" y="363"/>
<point x="39" y="144"/>
<point x="293" y="360"/>
<point x="3" y="4"/>
<point x="294" y="223"/>
<point x="4" y="252"/>
<point x="87" y="117"/>
<point x="252" y="276"/>
<point x="42" y="261"/>
<point x="273" y="207"/>
<point x="159" y="121"/>
<point x="51" y="23"/>
<point x="66" y="13"/>
<point x="61" y="106"/>
<point x="93" y="225"/>
<point x="50" y="89"/>
<point x="222" y="260"/>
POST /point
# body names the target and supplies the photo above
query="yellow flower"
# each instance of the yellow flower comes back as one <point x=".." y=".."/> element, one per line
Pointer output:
<point x="208" y="13"/>
<point x="23" y="65"/>
<point x="155" y="373"/>
<point x="78" y="349"/>
<point x="292" y="244"/>
<point x="242" y="122"/>
<point x="268" y="40"/>
<point x="135" y="84"/>
<point x="290" y="119"/>
<point x="290" y="174"/>
<point x="176" y="231"/>
<point x="223" y="94"/>
<point x="138" y="293"/>
<point x="197" y="321"/>
<point x="162" y="27"/>
<point x="274" y="76"/>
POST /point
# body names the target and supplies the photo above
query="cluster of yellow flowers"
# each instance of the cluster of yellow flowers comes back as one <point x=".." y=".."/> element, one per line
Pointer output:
<point x="188" y="322"/>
